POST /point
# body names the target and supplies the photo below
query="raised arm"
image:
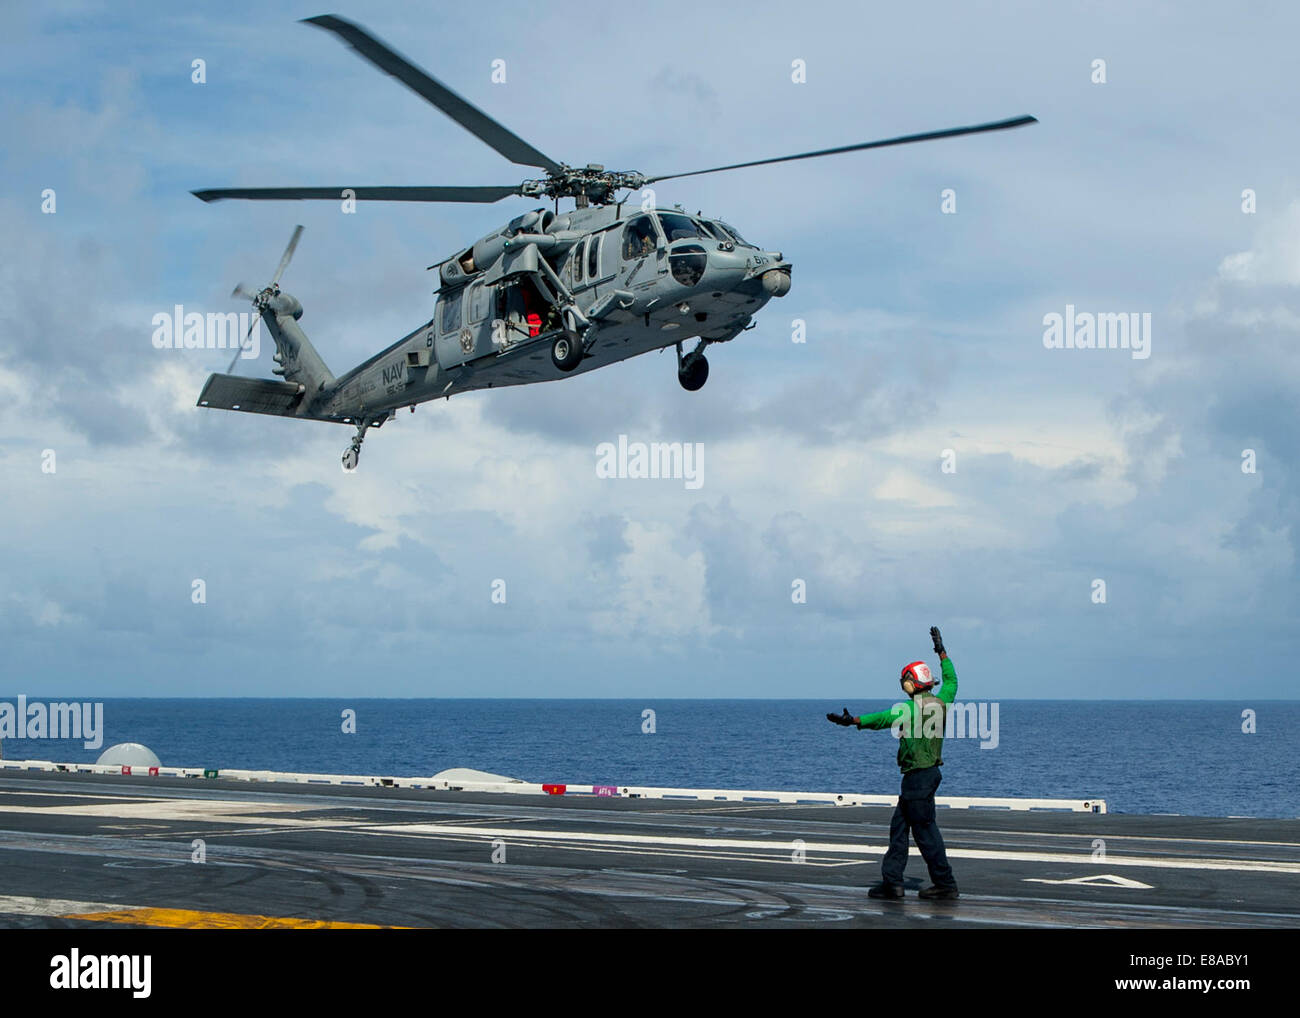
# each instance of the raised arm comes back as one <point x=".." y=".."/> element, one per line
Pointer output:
<point x="948" y="691"/>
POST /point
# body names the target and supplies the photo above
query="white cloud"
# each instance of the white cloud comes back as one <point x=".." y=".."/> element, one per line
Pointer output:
<point x="1274" y="257"/>
<point x="661" y="590"/>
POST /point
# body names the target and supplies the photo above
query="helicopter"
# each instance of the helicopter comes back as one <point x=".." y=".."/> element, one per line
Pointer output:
<point x="550" y="294"/>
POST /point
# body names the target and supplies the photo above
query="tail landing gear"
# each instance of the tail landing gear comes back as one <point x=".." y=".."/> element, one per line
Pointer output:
<point x="692" y="369"/>
<point x="352" y="455"/>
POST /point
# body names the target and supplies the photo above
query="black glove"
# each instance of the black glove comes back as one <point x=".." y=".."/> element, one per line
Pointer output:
<point x="938" y="640"/>
<point x="842" y="719"/>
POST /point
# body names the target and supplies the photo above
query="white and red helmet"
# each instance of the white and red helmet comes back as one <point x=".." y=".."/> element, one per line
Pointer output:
<point x="918" y="672"/>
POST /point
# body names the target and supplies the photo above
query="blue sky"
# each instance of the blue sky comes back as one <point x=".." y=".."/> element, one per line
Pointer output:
<point x="822" y="459"/>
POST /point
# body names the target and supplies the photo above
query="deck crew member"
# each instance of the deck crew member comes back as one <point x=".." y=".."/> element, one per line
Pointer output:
<point x="918" y="723"/>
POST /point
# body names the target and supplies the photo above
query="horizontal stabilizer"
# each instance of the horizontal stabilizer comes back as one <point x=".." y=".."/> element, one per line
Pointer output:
<point x="251" y="395"/>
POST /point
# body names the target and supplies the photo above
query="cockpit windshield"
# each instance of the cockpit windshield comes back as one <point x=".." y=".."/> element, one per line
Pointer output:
<point x="731" y="232"/>
<point x="678" y="227"/>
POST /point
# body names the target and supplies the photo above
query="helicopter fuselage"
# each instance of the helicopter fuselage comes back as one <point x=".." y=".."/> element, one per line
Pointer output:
<point x="493" y="326"/>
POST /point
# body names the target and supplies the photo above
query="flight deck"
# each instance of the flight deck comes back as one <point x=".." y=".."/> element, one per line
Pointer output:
<point x="83" y="850"/>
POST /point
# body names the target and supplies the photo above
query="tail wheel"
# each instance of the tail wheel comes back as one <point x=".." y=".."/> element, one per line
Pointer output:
<point x="566" y="351"/>
<point x="694" y="374"/>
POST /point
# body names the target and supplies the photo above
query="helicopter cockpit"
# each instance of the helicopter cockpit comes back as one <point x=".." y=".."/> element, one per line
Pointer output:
<point x="640" y="237"/>
<point x="680" y="227"/>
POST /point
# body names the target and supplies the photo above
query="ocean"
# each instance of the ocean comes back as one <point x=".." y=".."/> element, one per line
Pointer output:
<point x="1141" y="757"/>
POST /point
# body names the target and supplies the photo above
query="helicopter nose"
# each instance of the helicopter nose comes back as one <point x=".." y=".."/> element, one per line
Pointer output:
<point x="776" y="282"/>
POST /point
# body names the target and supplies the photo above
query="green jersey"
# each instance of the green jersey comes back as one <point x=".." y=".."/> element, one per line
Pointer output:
<point x="920" y="732"/>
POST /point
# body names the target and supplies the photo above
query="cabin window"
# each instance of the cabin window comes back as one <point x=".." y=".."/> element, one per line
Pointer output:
<point x="593" y="255"/>
<point x="477" y="303"/>
<point x="639" y="238"/>
<point x="577" y="260"/>
<point x="451" y="311"/>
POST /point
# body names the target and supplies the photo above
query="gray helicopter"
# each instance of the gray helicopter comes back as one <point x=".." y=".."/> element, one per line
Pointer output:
<point x="549" y="294"/>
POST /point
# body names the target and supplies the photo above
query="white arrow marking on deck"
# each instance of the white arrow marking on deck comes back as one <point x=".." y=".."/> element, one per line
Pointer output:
<point x="834" y="848"/>
<point x="1100" y="880"/>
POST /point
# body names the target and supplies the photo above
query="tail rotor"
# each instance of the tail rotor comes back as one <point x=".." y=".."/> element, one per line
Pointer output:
<point x="263" y="296"/>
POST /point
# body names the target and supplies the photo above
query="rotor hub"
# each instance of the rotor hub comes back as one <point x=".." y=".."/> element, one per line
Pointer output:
<point x="592" y="182"/>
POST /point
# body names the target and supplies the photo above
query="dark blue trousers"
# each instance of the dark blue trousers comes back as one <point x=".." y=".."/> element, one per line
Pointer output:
<point x="915" y="814"/>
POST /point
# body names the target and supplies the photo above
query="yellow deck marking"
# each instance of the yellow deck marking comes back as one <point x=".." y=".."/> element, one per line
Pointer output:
<point x="180" y="918"/>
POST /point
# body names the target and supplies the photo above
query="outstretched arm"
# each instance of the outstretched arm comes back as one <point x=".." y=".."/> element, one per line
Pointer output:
<point x="881" y="719"/>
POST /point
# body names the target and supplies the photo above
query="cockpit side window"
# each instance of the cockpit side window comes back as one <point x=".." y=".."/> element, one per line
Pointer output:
<point x="639" y="238"/>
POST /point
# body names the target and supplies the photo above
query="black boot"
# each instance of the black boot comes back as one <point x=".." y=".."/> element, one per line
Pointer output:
<point x="942" y="893"/>
<point x="894" y="892"/>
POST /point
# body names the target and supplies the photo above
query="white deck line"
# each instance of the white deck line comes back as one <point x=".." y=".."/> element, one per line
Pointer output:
<point x="1088" y="805"/>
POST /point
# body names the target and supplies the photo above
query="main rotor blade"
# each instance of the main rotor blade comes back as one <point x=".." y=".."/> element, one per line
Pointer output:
<point x="999" y="125"/>
<point x="453" y="194"/>
<point x="460" y="110"/>
<point x="288" y="253"/>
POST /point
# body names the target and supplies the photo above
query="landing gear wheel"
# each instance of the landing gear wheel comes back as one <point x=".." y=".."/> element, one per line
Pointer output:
<point x="350" y="459"/>
<point x="566" y="351"/>
<point x="694" y="373"/>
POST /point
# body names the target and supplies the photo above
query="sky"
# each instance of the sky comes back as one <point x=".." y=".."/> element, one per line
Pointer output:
<point x="921" y="458"/>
